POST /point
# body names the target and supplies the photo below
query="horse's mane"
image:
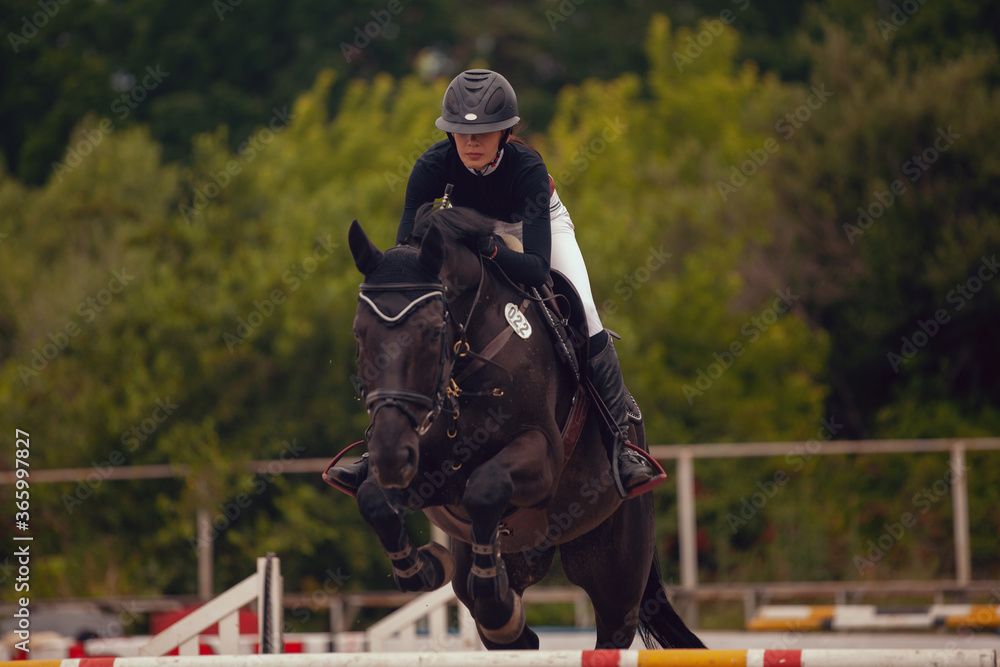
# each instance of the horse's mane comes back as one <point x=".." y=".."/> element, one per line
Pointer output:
<point x="457" y="225"/>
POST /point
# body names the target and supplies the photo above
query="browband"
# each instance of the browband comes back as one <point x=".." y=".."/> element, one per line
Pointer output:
<point x="435" y="290"/>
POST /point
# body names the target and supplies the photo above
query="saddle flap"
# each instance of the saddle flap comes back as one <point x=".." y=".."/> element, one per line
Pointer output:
<point x="570" y="317"/>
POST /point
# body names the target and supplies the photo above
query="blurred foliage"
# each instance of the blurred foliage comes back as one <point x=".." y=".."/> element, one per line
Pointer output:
<point x="176" y="288"/>
<point x="229" y="63"/>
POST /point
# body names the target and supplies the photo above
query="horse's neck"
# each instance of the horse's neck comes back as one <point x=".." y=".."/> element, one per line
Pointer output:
<point x="463" y="280"/>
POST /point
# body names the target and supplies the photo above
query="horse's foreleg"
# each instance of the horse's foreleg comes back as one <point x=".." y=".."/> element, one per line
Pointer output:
<point x="520" y="473"/>
<point x="520" y="575"/>
<point x="424" y="569"/>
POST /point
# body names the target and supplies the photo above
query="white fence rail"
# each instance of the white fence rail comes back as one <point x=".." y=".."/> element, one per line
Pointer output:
<point x="265" y="586"/>
<point x="432" y="609"/>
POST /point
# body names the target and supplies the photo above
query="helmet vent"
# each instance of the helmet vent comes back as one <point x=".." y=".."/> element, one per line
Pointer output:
<point x="496" y="101"/>
<point x="451" y="104"/>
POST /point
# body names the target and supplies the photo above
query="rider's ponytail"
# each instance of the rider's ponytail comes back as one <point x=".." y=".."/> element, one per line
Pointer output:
<point x="515" y="138"/>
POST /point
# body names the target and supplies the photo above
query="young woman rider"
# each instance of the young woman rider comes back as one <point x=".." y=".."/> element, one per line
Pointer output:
<point x="507" y="180"/>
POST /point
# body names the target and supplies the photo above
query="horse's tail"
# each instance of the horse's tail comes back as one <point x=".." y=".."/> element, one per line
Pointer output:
<point x="659" y="624"/>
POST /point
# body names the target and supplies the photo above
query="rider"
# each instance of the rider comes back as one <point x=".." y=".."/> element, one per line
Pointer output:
<point x="499" y="176"/>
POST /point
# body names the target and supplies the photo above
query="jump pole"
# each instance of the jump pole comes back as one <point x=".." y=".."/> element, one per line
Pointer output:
<point x="603" y="658"/>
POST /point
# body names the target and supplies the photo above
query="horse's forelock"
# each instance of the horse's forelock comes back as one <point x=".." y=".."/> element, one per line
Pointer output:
<point x="400" y="265"/>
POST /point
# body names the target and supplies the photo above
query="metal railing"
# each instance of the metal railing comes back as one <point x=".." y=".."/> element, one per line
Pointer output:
<point x="684" y="457"/>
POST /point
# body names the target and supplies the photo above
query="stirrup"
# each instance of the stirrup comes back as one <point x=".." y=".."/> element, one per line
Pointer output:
<point x="353" y="493"/>
<point x="659" y="475"/>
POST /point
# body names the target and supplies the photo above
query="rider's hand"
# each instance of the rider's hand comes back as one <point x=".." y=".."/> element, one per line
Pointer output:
<point x="488" y="246"/>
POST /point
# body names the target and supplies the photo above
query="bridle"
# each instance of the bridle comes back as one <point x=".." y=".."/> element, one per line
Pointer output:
<point x="404" y="399"/>
<point x="410" y="402"/>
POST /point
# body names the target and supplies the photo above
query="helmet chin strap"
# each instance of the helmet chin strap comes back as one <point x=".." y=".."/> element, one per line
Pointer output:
<point x="490" y="168"/>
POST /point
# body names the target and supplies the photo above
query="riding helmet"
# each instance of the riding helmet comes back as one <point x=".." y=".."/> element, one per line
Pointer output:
<point x="478" y="101"/>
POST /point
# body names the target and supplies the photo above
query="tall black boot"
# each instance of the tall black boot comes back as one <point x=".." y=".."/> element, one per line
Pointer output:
<point x="348" y="478"/>
<point x="606" y="376"/>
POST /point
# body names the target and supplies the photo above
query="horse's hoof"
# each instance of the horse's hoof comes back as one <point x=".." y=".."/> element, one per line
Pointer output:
<point x="443" y="561"/>
<point x="434" y="567"/>
<point x="510" y="630"/>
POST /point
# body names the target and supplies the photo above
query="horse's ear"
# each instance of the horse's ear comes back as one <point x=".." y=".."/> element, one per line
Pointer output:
<point x="432" y="250"/>
<point x="366" y="255"/>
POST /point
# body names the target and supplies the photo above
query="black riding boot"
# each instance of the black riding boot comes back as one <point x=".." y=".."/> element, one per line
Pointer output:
<point x="606" y="375"/>
<point x="349" y="478"/>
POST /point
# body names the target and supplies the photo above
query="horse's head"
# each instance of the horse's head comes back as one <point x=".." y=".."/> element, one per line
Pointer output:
<point x="407" y="339"/>
<point x="403" y="349"/>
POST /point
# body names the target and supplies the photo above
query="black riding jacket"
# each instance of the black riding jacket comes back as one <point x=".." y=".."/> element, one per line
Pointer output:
<point x="517" y="190"/>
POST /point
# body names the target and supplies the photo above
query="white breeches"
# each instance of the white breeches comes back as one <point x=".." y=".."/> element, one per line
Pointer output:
<point x="566" y="257"/>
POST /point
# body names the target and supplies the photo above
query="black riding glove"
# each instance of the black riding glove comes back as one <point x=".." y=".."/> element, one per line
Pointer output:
<point x="488" y="245"/>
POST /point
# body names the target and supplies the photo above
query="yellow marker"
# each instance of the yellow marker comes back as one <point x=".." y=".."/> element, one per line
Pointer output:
<point x="692" y="658"/>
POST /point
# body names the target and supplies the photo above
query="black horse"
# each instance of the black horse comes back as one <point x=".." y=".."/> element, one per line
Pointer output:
<point x="473" y="415"/>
